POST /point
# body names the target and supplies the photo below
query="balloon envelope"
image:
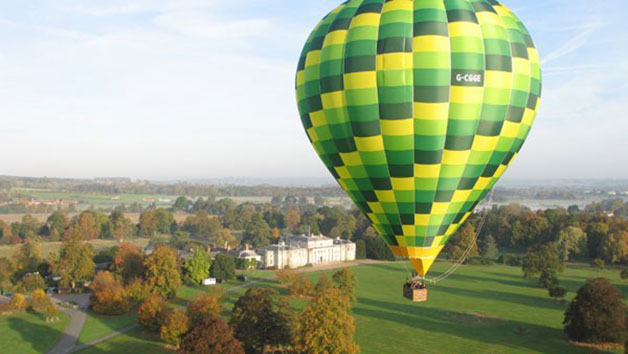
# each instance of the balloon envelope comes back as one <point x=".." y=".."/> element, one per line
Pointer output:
<point x="417" y="108"/>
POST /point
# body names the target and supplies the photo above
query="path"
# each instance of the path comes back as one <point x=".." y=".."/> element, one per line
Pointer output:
<point x="77" y="320"/>
<point x="77" y="348"/>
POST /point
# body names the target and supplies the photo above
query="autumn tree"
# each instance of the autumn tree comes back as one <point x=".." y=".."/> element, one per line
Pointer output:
<point x="162" y="272"/>
<point x="347" y="282"/>
<point x="88" y="225"/>
<point x="210" y="334"/>
<point x="40" y="302"/>
<point x="197" y="265"/>
<point x="326" y="325"/>
<point x="27" y="229"/>
<point x="74" y="262"/>
<point x="109" y="296"/>
<point x="128" y="262"/>
<point x="5" y="233"/>
<point x="461" y="241"/>
<point x="154" y="222"/>
<point x="174" y="327"/>
<point x="300" y="286"/>
<point x="323" y="283"/>
<point x="597" y="314"/>
<point x="120" y="227"/>
<point x="292" y="219"/>
<point x="261" y="318"/>
<point x="151" y="313"/>
<point x="203" y="305"/>
<point x="202" y="225"/>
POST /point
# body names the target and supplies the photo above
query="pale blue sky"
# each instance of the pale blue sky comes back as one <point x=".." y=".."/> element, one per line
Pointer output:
<point x="179" y="89"/>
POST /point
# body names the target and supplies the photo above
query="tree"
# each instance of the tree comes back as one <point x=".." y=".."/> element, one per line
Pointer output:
<point x="136" y="292"/>
<point x="109" y="296"/>
<point x="624" y="274"/>
<point x="548" y="278"/>
<point x="162" y="272"/>
<point x="174" y="327"/>
<point x="88" y="225"/>
<point x="74" y="262"/>
<point x="557" y="292"/>
<point x="347" y="282"/>
<point x="572" y="242"/>
<point x="198" y="264"/>
<point x="337" y="223"/>
<point x="257" y="232"/>
<point x="120" y="226"/>
<point x="300" y="286"/>
<point x="181" y="204"/>
<point x="7" y="268"/>
<point x="128" y="262"/>
<point x="614" y="248"/>
<point x="5" y="233"/>
<point x="27" y="229"/>
<point x="224" y="238"/>
<point x="154" y="222"/>
<point x="596" y="233"/>
<point x="597" y="314"/>
<point x="540" y="257"/>
<point x="203" y="305"/>
<point x="326" y="325"/>
<point x="376" y="248"/>
<point x="360" y="249"/>
<point x="323" y="283"/>
<point x="292" y="219"/>
<point x="18" y="301"/>
<point x="40" y="302"/>
<point x="55" y="225"/>
<point x="461" y="241"/>
<point x="31" y="282"/>
<point x="210" y="334"/>
<point x="261" y="319"/>
<point x="223" y="267"/>
<point x="202" y="225"/>
<point x="151" y="313"/>
<point x="286" y="276"/>
<point x="27" y="258"/>
<point x="489" y="248"/>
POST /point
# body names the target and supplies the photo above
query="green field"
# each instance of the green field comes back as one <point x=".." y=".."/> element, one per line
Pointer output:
<point x="480" y="309"/>
<point x="29" y="333"/>
<point x="49" y="247"/>
<point x="97" y="326"/>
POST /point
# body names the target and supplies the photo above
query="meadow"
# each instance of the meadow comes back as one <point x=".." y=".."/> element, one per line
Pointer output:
<point x="28" y="332"/>
<point x="480" y="309"/>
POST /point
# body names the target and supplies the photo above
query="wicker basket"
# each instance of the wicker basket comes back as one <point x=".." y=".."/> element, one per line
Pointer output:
<point x="414" y="294"/>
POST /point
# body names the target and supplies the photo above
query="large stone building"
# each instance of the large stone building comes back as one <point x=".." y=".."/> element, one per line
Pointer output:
<point x="299" y="251"/>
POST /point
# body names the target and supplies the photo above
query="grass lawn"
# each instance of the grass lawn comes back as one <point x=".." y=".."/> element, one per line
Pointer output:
<point x="136" y="341"/>
<point x="49" y="247"/>
<point x="29" y="333"/>
<point x="97" y="326"/>
<point x="479" y="309"/>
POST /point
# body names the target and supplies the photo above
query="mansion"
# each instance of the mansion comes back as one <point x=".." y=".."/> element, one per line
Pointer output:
<point x="299" y="251"/>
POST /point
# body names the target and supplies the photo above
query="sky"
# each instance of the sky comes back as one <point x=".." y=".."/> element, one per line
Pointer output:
<point x="192" y="89"/>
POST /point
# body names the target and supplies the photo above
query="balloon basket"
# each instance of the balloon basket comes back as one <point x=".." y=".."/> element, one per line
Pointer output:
<point x="415" y="291"/>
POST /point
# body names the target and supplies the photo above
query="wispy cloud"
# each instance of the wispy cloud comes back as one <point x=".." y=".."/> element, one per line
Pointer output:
<point x="200" y="24"/>
<point x="582" y="35"/>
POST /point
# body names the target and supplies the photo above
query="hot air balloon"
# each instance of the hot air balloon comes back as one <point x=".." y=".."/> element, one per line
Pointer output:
<point x="417" y="107"/>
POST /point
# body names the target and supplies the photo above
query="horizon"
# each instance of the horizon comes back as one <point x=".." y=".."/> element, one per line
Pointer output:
<point x="170" y="90"/>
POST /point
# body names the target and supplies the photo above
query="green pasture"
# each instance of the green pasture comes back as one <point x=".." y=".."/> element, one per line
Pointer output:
<point x="28" y="332"/>
<point x="50" y="247"/>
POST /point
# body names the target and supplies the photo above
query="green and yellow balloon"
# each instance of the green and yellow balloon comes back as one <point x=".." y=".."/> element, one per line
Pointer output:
<point x="417" y="107"/>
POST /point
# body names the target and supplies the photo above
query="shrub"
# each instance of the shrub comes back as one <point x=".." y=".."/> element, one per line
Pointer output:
<point x="624" y="274"/>
<point x="175" y="325"/>
<point x="510" y="259"/>
<point x="323" y="283"/>
<point x="109" y="297"/>
<point x="598" y="263"/>
<point x="347" y="282"/>
<point x="39" y="301"/>
<point x="203" y="305"/>
<point x="557" y="291"/>
<point x="475" y="261"/>
<point x="597" y="314"/>
<point x="300" y="286"/>
<point x="151" y="312"/>
<point x="286" y="276"/>
<point x="31" y="282"/>
<point x="18" y="301"/>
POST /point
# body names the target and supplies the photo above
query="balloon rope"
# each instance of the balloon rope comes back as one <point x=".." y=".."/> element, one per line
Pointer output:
<point x="466" y="253"/>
